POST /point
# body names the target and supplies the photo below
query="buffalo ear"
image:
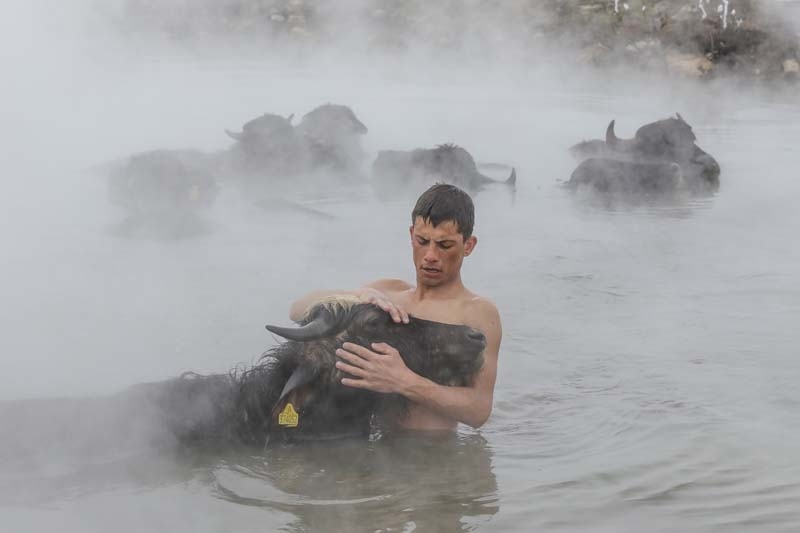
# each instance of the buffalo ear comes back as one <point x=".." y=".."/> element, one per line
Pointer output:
<point x="302" y="375"/>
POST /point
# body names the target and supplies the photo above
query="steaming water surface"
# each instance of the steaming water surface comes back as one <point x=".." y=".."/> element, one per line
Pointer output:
<point x="648" y="367"/>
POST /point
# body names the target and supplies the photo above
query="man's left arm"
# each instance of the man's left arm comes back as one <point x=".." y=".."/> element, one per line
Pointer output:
<point x="383" y="370"/>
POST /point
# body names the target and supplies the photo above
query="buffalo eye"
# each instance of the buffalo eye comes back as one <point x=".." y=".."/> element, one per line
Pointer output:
<point x="372" y="323"/>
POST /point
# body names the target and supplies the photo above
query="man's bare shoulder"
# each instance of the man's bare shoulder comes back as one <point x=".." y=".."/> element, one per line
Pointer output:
<point x="483" y="313"/>
<point x="389" y="285"/>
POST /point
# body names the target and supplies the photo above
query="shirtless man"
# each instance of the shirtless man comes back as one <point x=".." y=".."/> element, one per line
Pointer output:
<point x="441" y="237"/>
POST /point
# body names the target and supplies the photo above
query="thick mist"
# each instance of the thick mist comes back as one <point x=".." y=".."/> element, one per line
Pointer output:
<point x="640" y="343"/>
<point x="87" y="311"/>
<point x="90" y="312"/>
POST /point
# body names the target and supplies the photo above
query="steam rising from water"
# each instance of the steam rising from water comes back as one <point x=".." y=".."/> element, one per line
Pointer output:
<point x="641" y="346"/>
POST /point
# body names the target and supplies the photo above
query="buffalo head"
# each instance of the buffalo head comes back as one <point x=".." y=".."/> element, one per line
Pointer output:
<point x="263" y="128"/>
<point x="308" y="401"/>
<point x="332" y="133"/>
<point x="268" y="144"/>
<point x="332" y="119"/>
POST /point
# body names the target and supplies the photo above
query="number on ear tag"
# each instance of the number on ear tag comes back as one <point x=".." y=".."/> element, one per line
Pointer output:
<point x="288" y="417"/>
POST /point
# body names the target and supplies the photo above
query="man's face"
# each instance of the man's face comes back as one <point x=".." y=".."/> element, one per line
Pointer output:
<point x="438" y="251"/>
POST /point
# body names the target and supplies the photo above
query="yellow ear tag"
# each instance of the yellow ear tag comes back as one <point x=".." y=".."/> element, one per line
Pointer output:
<point x="288" y="417"/>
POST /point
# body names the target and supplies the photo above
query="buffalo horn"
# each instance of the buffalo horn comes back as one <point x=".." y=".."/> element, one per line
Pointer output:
<point x="611" y="137"/>
<point x="512" y="179"/>
<point x="234" y="135"/>
<point x="322" y="326"/>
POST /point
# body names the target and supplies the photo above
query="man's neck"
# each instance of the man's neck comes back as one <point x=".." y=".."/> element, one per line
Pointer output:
<point x="440" y="292"/>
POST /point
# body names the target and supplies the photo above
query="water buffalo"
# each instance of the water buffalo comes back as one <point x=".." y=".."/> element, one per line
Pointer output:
<point x="662" y="159"/>
<point x="415" y="170"/>
<point x="327" y="138"/>
<point x="268" y="146"/>
<point x="164" y="188"/>
<point x="333" y="133"/>
<point x="292" y="394"/>
<point x="305" y="365"/>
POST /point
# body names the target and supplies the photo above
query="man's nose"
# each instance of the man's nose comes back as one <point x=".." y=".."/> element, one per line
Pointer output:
<point x="431" y="255"/>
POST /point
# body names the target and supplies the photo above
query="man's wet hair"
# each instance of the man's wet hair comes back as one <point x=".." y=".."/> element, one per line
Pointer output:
<point x="443" y="203"/>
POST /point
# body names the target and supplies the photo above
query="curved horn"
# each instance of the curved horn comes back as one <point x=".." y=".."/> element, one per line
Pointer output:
<point x="611" y="137"/>
<point x="679" y="117"/>
<point x="235" y="136"/>
<point x="323" y="325"/>
<point x="512" y="179"/>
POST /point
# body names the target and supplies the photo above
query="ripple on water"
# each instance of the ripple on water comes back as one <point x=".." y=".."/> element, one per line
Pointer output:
<point x="435" y="483"/>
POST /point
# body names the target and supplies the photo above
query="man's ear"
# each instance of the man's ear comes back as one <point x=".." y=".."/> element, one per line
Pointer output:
<point x="411" y="232"/>
<point x="470" y="244"/>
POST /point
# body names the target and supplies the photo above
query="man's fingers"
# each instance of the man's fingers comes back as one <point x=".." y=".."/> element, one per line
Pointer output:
<point x="356" y="352"/>
<point x="351" y="359"/>
<point x="382" y="347"/>
<point x="350" y="369"/>
<point x="397" y="313"/>
<point x="357" y="383"/>
<point x="390" y="308"/>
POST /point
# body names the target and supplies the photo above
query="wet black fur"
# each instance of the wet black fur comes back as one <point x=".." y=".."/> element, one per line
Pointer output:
<point x="241" y="406"/>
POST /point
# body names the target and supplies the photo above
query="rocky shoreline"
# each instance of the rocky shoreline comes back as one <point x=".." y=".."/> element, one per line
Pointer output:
<point x="700" y="39"/>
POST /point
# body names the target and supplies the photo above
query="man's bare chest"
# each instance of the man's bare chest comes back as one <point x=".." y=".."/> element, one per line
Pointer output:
<point x="446" y="311"/>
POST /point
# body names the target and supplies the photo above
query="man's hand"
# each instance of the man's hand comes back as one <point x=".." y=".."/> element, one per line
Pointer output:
<point x="374" y="296"/>
<point x="381" y="370"/>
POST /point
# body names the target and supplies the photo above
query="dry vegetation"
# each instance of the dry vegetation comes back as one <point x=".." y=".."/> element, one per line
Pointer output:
<point x="700" y="38"/>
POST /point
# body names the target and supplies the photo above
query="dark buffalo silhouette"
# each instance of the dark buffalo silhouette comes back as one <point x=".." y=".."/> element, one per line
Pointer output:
<point x="248" y="406"/>
<point x="662" y="159"/>
<point x="326" y="139"/>
<point x="415" y="170"/>
<point x="164" y="181"/>
<point x="333" y="134"/>
<point x="268" y="146"/>
<point x="164" y="192"/>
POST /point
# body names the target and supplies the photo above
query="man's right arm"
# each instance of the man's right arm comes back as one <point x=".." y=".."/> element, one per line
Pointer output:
<point x="374" y="292"/>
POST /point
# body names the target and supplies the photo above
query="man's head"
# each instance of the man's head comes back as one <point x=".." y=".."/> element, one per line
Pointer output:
<point x="441" y="233"/>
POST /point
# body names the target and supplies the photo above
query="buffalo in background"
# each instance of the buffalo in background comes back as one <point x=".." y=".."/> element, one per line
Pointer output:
<point x="249" y="406"/>
<point x="268" y="147"/>
<point x="167" y="189"/>
<point x="413" y="171"/>
<point x="661" y="161"/>
<point x="333" y="135"/>
<point x="328" y="139"/>
<point x="164" y="190"/>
